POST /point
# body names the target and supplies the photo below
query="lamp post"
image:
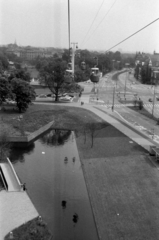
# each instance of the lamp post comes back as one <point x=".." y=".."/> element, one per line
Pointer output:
<point x="118" y="64"/>
<point x="113" y="98"/>
<point x="153" y="101"/>
<point x="113" y="63"/>
<point x="127" y="64"/>
<point x="118" y="70"/>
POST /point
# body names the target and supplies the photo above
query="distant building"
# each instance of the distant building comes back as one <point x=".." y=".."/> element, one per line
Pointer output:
<point x="30" y="53"/>
<point x="143" y="69"/>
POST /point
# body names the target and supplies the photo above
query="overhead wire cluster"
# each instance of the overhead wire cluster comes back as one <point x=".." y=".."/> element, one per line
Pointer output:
<point x="92" y="22"/>
<point x="86" y="39"/>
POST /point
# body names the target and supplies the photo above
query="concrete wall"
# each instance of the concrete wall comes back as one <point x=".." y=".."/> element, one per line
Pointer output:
<point x="25" y="140"/>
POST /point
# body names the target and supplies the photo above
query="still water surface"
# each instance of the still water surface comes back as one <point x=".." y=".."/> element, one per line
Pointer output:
<point x="51" y="179"/>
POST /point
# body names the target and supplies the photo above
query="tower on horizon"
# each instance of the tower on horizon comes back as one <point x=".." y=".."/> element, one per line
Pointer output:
<point x="15" y="43"/>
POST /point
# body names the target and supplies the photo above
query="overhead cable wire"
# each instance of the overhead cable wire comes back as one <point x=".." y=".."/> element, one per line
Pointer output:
<point x="103" y="18"/>
<point x="92" y="22"/>
<point x="132" y="35"/>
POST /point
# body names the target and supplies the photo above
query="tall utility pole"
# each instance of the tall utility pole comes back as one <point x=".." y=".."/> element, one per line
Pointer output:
<point x="127" y="64"/>
<point x="118" y="64"/>
<point x="74" y="47"/>
<point x="113" y="63"/>
<point x="69" y="28"/>
<point x="153" y="101"/>
<point x="113" y="98"/>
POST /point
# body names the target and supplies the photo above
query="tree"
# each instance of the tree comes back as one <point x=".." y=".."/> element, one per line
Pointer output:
<point x="4" y="61"/>
<point x="20" y="74"/>
<point x="5" y="90"/>
<point x="24" y="93"/>
<point x="53" y="75"/>
<point x="81" y="76"/>
<point x="65" y="55"/>
<point x="92" y="129"/>
<point x="5" y="146"/>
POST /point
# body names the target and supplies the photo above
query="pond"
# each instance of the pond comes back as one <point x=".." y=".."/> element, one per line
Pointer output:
<point x="52" y="171"/>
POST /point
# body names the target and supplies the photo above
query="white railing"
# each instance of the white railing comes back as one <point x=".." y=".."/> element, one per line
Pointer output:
<point x="14" y="172"/>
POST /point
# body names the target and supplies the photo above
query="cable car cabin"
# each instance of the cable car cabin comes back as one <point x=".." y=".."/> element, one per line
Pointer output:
<point x="83" y="65"/>
<point x="68" y="76"/>
<point x="94" y="76"/>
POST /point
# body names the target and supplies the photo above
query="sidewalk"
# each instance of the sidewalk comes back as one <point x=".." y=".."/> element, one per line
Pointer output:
<point x="16" y="209"/>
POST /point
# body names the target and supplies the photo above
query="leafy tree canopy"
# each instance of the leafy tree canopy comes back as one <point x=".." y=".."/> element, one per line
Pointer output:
<point x="5" y="90"/>
<point x="24" y="93"/>
<point x="3" y="61"/>
<point x="53" y="75"/>
<point x="21" y="74"/>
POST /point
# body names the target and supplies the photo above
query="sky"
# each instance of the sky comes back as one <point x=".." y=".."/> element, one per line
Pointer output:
<point x="94" y="24"/>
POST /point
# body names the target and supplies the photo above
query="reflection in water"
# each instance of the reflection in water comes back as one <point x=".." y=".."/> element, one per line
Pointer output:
<point x="55" y="137"/>
<point x="56" y="185"/>
<point x="18" y="154"/>
<point x="75" y="218"/>
<point x="63" y="204"/>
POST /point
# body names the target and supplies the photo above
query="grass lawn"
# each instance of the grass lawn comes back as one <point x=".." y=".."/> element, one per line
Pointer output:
<point x="123" y="185"/>
<point x="39" y="115"/>
<point x="32" y="230"/>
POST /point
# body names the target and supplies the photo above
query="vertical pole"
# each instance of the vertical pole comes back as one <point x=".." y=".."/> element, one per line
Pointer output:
<point x="125" y="84"/>
<point x="69" y="26"/>
<point x="73" y="58"/>
<point x="127" y="64"/>
<point x="153" y="101"/>
<point x="113" y="98"/>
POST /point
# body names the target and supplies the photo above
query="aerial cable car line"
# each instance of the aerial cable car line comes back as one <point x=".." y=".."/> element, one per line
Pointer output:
<point x="103" y="18"/>
<point x="132" y="35"/>
<point x="92" y="22"/>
